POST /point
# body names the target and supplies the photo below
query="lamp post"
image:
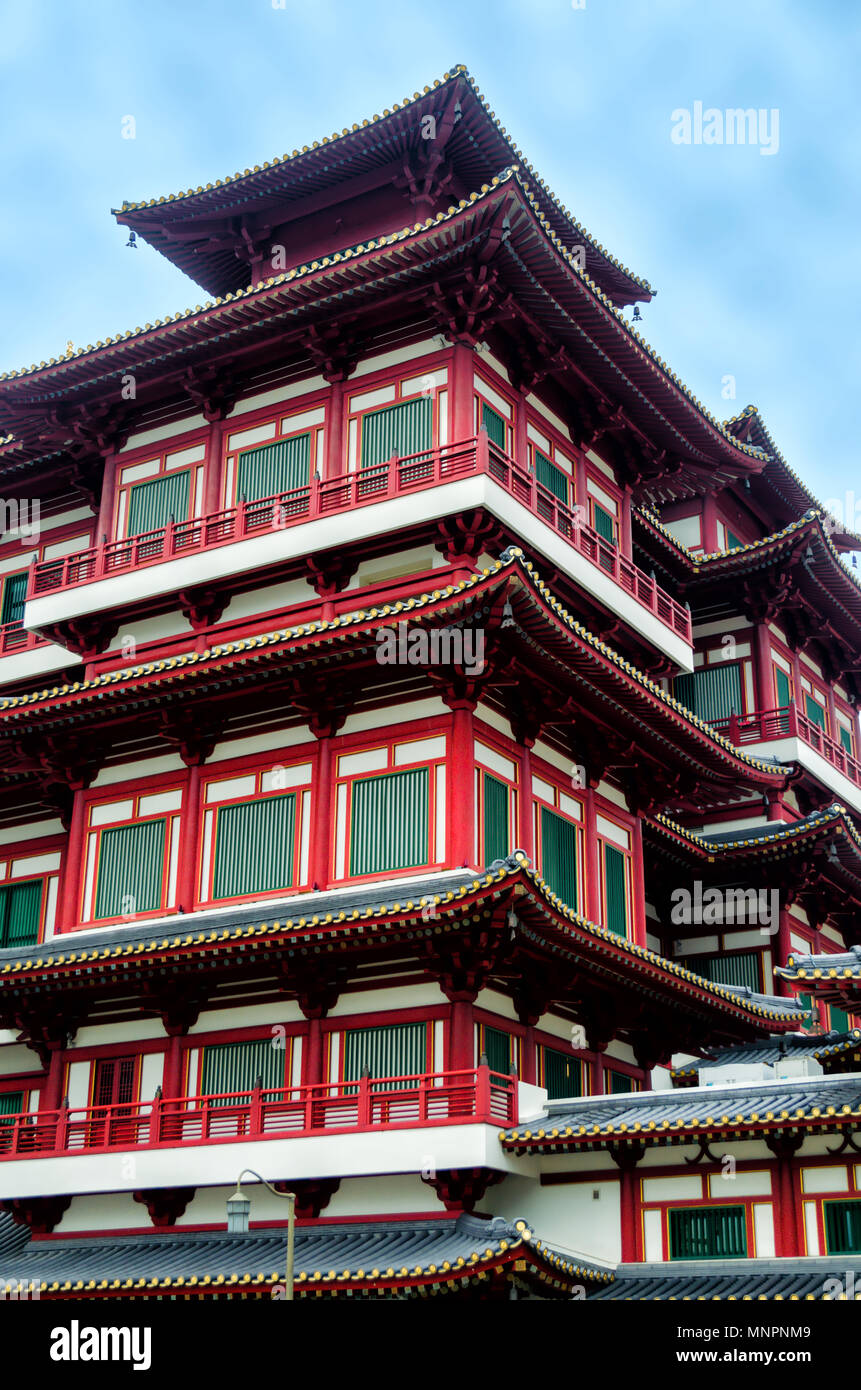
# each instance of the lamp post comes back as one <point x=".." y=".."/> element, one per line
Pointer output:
<point x="239" y="1206"/>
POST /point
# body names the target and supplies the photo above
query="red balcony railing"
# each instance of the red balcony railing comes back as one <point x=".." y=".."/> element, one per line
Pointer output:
<point x="766" y="726"/>
<point x="15" y="638"/>
<point x="395" y="478"/>
<point x="438" y="1098"/>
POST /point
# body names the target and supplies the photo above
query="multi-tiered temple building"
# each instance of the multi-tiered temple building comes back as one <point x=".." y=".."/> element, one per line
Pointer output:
<point x="429" y="769"/>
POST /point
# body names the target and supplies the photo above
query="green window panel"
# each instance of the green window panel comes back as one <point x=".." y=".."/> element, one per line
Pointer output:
<point x="496" y="801"/>
<point x="397" y="430"/>
<point x="390" y="822"/>
<point x="14" y="593"/>
<point x="497" y="1048"/>
<point x="783" y="687"/>
<point x="842" y="1227"/>
<point x="845" y="738"/>
<point x="733" y="542"/>
<point x="563" y="1075"/>
<point x="712" y="693"/>
<point x="254" y="846"/>
<point x="130" y="870"/>
<point x="559" y="855"/>
<point x="815" y="713"/>
<point x="604" y="523"/>
<point x="620" y="1084"/>
<point x="20" y="913"/>
<point x="551" y="477"/>
<point x="494" y="423"/>
<point x="741" y="968"/>
<point x="11" y="1103"/>
<point x="400" y="1049"/>
<point x="708" y="1233"/>
<point x="274" y="468"/>
<point x="839" y="1019"/>
<point x="153" y="504"/>
<point x="615" y="888"/>
<point x="806" y="1002"/>
<point x="237" y="1066"/>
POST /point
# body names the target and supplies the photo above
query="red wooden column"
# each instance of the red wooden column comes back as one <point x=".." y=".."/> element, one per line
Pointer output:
<point x="52" y="1092"/>
<point x="212" y="478"/>
<point x="764" y="690"/>
<point x="593" y="862"/>
<point x="462" y="392"/>
<point x="68" y="914"/>
<point x="171" y="1086"/>
<point x="320" y="864"/>
<point x="638" y="884"/>
<point x="781" y="947"/>
<point x="786" y="1193"/>
<point x="461" y="1036"/>
<point x="312" y="1053"/>
<point x="581" y="491"/>
<point x="525" y="817"/>
<point x="625" y="538"/>
<point x="527" y="1063"/>
<point x="521" y="438"/>
<point x="460" y="813"/>
<point x="105" y="519"/>
<point x="710" y="536"/>
<point x="186" y="888"/>
<point x="627" y="1157"/>
<point x="334" y="465"/>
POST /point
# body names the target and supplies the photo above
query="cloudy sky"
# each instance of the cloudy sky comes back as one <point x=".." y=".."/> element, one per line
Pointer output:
<point x="753" y="254"/>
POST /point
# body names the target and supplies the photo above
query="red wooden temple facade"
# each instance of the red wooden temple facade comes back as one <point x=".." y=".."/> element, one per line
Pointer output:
<point x="423" y="726"/>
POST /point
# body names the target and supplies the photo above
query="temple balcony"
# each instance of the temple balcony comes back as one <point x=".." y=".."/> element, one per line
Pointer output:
<point x="27" y="655"/>
<point x="391" y="1124"/>
<point x="383" y="499"/>
<point x="789" y="736"/>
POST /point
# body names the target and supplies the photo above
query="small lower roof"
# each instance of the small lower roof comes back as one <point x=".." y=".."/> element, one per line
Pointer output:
<point x="369" y="1258"/>
<point x="698" y="1280"/>
<point x="822" y="1047"/>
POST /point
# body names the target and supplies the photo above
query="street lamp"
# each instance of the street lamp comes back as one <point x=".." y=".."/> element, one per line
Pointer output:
<point x="238" y="1207"/>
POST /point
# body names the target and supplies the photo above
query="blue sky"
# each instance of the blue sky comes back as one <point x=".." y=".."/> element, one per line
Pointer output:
<point x="754" y="256"/>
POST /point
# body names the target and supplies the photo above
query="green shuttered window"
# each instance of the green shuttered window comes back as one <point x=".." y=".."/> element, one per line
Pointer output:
<point x="615" y="890"/>
<point x="733" y="542"/>
<point x="390" y="821"/>
<point x="815" y="713"/>
<point x="551" y="477"/>
<point x="274" y="468"/>
<point x="237" y="1066"/>
<point x="254" y="846"/>
<point x="559" y="855"/>
<point x="839" y="1019"/>
<point x="398" y="1050"/>
<point x="14" y="592"/>
<point x="708" y="1233"/>
<point x="154" y="503"/>
<point x="20" y="912"/>
<point x="563" y="1075"/>
<point x="842" y="1227"/>
<point x="712" y="693"/>
<point x="11" y="1103"/>
<point x="494" y="423"/>
<point x="397" y="430"/>
<point x="741" y="968"/>
<point x="604" y="523"/>
<point x="620" y="1084"/>
<point x="131" y="869"/>
<point x="497" y="1048"/>
<point x="496" y="799"/>
<point x="784" y="692"/>
<point x="845" y="738"/>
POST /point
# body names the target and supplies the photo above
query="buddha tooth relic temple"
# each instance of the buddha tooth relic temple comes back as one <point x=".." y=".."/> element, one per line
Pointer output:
<point x="430" y="778"/>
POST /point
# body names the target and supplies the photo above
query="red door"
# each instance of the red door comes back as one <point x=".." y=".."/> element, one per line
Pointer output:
<point x="113" y="1096"/>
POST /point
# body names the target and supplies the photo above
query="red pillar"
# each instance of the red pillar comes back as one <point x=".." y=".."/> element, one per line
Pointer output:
<point x="312" y="1053"/>
<point x="710" y="536"/>
<point x="186" y="889"/>
<point x="782" y="950"/>
<point x="212" y="477"/>
<point x="172" y="1080"/>
<point x="625" y="538"/>
<point x="105" y="519"/>
<point x="629" y="1207"/>
<point x="521" y="439"/>
<point x="68" y="914"/>
<point x="320" y="868"/>
<point x="638" y="885"/>
<point x="461" y="1037"/>
<point x="461" y="786"/>
<point x="764" y="696"/>
<point x="334" y="464"/>
<point x="525" y="817"/>
<point x="593" y="863"/>
<point x="52" y="1091"/>
<point x="462" y="393"/>
<point x="788" y="1241"/>
<point x="527" y="1064"/>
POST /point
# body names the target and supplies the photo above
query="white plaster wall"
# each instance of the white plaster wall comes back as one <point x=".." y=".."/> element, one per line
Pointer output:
<point x="568" y="1216"/>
